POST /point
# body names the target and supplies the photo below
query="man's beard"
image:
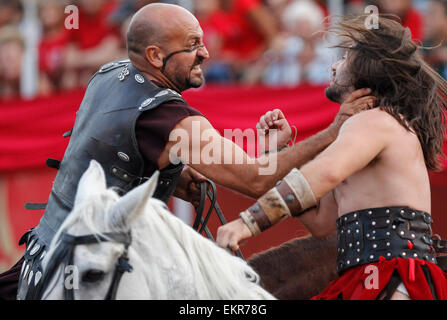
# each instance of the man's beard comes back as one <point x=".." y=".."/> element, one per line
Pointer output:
<point x="196" y="83"/>
<point x="187" y="82"/>
<point x="335" y="93"/>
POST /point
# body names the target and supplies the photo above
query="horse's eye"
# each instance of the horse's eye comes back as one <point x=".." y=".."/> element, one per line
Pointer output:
<point x="93" y="276"/>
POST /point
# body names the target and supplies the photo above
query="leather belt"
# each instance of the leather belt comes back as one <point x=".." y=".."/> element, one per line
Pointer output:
<point x="371" y="235"/>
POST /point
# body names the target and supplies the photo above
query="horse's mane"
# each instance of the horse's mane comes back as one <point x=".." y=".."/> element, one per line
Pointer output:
<point x="298" y="269"/>
<point x="226" y="279"/>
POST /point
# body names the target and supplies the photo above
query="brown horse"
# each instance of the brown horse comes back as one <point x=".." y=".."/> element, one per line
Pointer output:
<point x="298" y="269"/>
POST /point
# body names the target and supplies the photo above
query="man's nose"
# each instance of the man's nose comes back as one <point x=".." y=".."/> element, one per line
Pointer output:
<point x="203" y="52"/>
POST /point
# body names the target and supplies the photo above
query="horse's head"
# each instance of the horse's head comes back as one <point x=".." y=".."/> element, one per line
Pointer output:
<point x="90" y="250"/>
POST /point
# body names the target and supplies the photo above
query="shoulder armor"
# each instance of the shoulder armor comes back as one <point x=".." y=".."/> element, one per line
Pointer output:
<point x="160" y="97"/>
<point x="113" y="65"/>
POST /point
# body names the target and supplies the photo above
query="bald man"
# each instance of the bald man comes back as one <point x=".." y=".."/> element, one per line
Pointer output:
<point x="127" y="120"/>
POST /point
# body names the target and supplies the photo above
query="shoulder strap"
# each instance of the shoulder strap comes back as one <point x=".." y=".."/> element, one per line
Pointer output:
<point x="157" y="97"/>
<point x="113" y="65"/>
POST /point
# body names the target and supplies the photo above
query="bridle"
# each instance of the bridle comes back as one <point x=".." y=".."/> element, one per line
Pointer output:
<point x="200" y="223"/>
<point x="63" y="255"/>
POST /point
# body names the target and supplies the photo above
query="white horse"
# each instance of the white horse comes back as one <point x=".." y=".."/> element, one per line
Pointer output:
<point x="170" y="260"/>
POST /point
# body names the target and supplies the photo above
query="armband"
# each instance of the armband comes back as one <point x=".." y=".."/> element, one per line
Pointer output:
<point x="290" y="198"/>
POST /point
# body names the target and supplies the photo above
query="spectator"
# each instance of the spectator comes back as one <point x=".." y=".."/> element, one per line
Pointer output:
<point x="96" y="41"/>
<point x="246" y="28"/>
<point x="52" y="75"/>
<point x="277" y="7"/>
<point x="216" y="70"/>
<point x="436" y="33"/>
<point x="354" y="7"/>
<point x="299" y="55"/>
<point x="11" y="55"/>
<point x="11" y="12"/>
<point x="409" y="16"/>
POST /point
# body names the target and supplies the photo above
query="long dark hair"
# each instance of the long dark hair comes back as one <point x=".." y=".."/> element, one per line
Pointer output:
<point x="388" y="61"/>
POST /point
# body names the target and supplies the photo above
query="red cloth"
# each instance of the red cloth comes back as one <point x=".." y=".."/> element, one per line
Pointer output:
<point x="31" y="130"/>
<point x="51" y="50"/>
<point x="240" y="37"/>
<point x="352" y="283"/>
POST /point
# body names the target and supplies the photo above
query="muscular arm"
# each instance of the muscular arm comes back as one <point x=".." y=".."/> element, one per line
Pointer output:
<point x="321" y="221"/>
<point x="361" y="139"/>
<point x="252" y="177"/>
<point x="215" y="157"/>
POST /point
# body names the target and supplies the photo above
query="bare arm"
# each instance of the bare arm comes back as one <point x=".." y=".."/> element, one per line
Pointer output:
<point x="197" y="143"/>
<point x="219" y="159"/>
<point x="361" y="139"/>
<point x="321" y="221"/>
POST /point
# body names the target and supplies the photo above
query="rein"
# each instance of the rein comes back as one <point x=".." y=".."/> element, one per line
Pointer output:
<point x="200" y="223"/>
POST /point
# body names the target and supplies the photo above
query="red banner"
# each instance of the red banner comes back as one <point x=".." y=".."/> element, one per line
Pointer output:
<point x="31" y="132"/>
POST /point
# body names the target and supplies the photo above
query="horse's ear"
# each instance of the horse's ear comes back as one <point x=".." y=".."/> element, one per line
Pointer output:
<point x="93" y="180"/>
<point x="131" y="204"/>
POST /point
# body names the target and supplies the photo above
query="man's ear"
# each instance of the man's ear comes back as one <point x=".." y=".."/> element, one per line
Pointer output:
<point x="154" y="56"/>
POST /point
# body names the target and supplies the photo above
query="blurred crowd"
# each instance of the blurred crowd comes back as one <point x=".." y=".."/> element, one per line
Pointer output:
<point x="251" y="42"/>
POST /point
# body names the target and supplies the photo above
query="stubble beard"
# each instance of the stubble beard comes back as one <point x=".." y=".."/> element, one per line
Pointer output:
<point x="189" y="81"/>
<point x="334" y="93"/>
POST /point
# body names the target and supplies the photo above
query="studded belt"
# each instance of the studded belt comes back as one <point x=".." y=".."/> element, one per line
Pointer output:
<point x="371" y="235"/>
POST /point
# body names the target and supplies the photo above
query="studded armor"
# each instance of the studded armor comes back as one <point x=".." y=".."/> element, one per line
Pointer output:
<point x="104" y="130"/>
<point x="370" y="235"/>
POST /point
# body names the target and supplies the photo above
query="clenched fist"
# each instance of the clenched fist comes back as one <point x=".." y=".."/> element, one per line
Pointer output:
<point x="274" y="126"/>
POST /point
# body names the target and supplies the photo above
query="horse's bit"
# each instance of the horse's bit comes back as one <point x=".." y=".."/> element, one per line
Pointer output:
<point x="200" y="223"/>
<point x="64" y="254"/>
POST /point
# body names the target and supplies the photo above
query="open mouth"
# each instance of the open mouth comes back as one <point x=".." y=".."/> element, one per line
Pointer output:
<point x="197" y="68"/>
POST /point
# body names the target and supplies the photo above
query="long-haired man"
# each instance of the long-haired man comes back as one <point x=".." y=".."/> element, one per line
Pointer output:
<point x="372" y="184"/>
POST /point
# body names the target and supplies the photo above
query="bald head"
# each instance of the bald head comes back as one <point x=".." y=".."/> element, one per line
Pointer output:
<point x="155" y="24"/>
<point x="165" y="42"/>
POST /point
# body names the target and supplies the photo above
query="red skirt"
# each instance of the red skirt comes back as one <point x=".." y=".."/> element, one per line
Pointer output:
<point x="367" y="282"/>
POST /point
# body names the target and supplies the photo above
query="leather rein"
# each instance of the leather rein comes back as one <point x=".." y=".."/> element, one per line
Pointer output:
<point x="200" y="222"/>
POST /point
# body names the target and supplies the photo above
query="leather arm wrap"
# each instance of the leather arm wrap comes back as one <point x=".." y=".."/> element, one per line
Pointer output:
<point x="290" y="198"/>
